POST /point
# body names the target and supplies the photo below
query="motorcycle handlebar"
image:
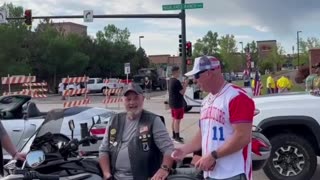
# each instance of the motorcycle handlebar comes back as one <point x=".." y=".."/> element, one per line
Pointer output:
<point x="74" y="143"/>
<point x="91" y="139"/>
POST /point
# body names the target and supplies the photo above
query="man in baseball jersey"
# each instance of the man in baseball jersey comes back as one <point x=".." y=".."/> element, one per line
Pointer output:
<point x="225" y="125"/>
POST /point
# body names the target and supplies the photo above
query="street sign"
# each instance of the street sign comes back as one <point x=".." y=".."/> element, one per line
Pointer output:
<point x="169" y="7"/>
<point x="88" y="15"/>
<point x="127" y="68"/>
<point x="3" y="15"/>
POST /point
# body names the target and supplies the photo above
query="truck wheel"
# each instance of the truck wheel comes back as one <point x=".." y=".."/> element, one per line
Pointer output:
<point x="103" y="89"/>
<point x="292" y="157"/>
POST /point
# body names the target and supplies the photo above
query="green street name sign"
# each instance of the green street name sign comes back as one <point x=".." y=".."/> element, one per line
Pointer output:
<point x="179" y="6"/>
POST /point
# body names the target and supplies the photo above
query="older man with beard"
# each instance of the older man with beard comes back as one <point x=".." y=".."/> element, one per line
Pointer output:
<point x="136" y="144"/>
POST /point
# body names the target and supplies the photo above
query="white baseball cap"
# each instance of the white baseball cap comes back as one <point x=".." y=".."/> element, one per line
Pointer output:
<point x="203" y="63"/>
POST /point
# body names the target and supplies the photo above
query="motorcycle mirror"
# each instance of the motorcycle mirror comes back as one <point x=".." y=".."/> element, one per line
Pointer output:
<point x="35" y="158"/>
<point x="96" y="119"/>
<point x="71" y="125"/>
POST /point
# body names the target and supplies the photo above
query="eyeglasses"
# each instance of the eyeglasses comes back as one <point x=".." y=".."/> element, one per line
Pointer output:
<point x="197" y="75"/>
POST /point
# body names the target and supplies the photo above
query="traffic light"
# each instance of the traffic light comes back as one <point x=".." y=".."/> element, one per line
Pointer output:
<point x="180" y="45"/>
<point x="189" y="49"/>
<point x="189" y="62"/>
<point x="28" y="17"/>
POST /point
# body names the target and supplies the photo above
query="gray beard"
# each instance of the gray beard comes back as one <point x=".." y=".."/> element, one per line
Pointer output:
<point x="134" y="114"/>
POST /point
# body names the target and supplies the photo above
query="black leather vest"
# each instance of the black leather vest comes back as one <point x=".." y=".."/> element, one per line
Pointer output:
<point x="145" y="157"/>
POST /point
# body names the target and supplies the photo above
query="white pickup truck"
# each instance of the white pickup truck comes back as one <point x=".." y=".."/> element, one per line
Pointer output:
<point x="291" y="121"/>
<point x="97" y="85"/>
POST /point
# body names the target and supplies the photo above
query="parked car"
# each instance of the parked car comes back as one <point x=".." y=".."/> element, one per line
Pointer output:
<point x="291" y="121"/>
<point x="21" y="118"/>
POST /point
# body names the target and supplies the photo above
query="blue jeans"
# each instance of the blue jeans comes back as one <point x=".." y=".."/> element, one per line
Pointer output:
<point x="237" y="177"/>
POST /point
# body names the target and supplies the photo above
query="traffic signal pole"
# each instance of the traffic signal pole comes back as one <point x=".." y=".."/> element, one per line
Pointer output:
<point x="105" y="16"/>
<point x="183" y="34"/>
<point x="181" y="16"/>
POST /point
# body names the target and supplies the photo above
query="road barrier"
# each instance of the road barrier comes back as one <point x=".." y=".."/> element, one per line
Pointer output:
<point x="72" y="92"/>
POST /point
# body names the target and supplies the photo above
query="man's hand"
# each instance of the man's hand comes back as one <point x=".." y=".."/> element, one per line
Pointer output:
<point x="161" y="174"/>
<point x="206" y="163"/>
<point x="178" y="154"/>
<point x="20" y="156"/>
<point x="107" y="175"/>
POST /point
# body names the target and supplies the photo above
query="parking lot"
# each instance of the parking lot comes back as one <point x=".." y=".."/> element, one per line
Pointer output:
<point x="156" y="105"/>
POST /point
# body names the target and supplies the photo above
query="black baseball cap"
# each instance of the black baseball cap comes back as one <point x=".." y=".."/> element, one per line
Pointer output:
<point x="133" y="88"/>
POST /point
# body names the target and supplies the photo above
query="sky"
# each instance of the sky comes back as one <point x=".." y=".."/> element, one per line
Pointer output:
<point x="247" y="20"/>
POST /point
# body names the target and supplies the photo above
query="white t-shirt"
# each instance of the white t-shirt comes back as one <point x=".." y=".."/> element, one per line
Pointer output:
<point x="231" y="105"/>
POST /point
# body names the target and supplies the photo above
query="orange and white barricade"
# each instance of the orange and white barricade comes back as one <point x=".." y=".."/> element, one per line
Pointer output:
<point x="72" y="92"/>
<point x="116" y="99"/>
<point x="76" y="103"/>
<point x="38" y="90"/>
<point x="15" y="80"/>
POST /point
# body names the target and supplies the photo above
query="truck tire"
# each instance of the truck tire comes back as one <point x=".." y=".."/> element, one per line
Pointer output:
<point x="292" y="157"/>
<point x="103" y="89"/>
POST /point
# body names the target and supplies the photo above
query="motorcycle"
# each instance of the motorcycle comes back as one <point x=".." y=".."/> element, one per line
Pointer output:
<point x="57" y="161"/>
<point x="49" y="159"/>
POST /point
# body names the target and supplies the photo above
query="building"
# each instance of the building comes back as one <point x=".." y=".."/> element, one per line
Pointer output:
<point x="265" y="47"/>
<point x="165" y="59"/>
<point x="68" y="28"/>
<point x="314" y="57"/>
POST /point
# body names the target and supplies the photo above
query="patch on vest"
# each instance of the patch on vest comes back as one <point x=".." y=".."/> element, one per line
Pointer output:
<point x="145" y="146"/>
<point x="113" y="131"/>
<point x="144" y="129"/>
<point x="112" y="137"/>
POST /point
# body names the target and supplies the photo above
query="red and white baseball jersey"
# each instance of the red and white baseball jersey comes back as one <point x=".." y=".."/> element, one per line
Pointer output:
<point x="230" y="106"/>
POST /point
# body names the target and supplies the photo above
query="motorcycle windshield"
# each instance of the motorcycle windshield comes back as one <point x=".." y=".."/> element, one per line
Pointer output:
<point x="56" y="121"/>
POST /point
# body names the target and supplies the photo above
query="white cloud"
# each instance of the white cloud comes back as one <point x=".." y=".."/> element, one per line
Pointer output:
<point x="262" y="28"/>
<point x="243" y="37"/>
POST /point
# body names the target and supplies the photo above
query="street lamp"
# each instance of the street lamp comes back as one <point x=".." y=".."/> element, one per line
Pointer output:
<point x="241" y="46"/>
<point x="140" y="40"/>
<point x="298" y="49"/>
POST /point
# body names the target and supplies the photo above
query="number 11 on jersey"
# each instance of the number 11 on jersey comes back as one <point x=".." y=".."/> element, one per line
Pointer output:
<point x="218" y="133"/>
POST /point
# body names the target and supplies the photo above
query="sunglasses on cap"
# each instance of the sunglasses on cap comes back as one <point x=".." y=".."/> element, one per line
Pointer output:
<point x="197" y="75"/>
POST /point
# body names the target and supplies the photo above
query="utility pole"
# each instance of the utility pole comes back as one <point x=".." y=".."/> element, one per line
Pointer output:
<point x="298" y="48"/>
<point x="183" y="34"/>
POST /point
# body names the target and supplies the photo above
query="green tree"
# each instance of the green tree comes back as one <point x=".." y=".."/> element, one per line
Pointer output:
<point x="14" y="53"/>
<point x="228" y="51"/>
<point x="305" y="46"/>
<point x="208" y="45"/>
<point x="253" y="52"/>
<point x="139" y="61"/>
<point x="114" y="49"/>
<point x="15" y="11"/>
<point x="276" y="57"/>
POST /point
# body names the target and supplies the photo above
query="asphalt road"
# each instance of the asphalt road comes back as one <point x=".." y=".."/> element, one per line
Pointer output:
<point x="156" y="105"/>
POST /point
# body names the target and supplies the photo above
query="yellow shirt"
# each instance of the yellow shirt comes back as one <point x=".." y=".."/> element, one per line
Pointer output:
<point x="316" y="82"/>
<point x="270" y="81"/>
<point x="283" y="83"/>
